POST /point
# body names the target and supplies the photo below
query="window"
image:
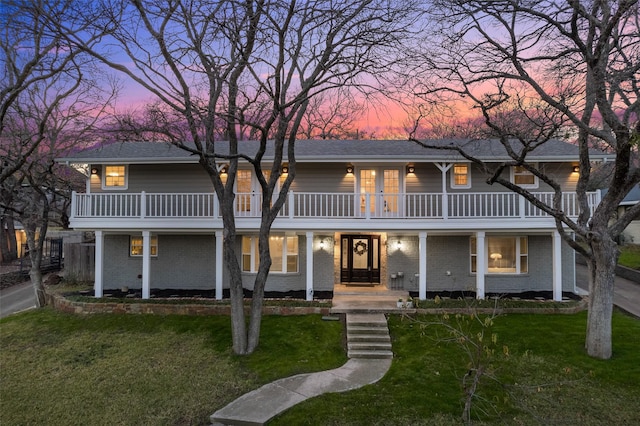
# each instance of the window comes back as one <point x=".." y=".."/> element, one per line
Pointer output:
<point x="505" y="255"/>
<point x="135" y="246"/>
<point x="524" y="178"/>
<point x="115" y="177"/>
<point x="284" y="254"/>
<point x="461" y="177"/>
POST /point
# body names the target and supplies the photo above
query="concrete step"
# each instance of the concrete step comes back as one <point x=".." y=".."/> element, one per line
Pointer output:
<point x="369" y="346"/>
<point x="358" y="337"/>
<point x="368" y="336"/>
<point x="370" y="354"/>
<point x="365" y="329"/>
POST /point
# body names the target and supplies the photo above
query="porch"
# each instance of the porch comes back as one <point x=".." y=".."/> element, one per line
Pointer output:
<point x="308" y="205"/>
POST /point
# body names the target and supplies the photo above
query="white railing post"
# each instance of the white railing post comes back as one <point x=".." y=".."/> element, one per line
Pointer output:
<point x="291" y="202"/>
<point x="143" y="204"/>
<point x="74" y="195"/>
<point x="367" y="206"/>
<point x="445" y="205"/>
<point x="521" y="206"/>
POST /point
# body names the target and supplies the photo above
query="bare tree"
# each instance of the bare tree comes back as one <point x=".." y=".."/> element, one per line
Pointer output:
<point x="331" y="115"/>
<point x="48" y="104"/>
<point x="531" y="68"/>
<point x="249" y="65"/>
<point x="32" y="54"/>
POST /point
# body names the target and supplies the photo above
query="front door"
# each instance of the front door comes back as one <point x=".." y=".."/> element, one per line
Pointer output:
<point x="360" y="259"/>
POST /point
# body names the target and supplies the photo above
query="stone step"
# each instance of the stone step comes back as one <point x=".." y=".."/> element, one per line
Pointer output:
<point x="357" y="337"/>
<point x="369" y="346"/>
<point x="358" y="319"/>
<point x="370" y="354"/>
<point x="365" y="329"/>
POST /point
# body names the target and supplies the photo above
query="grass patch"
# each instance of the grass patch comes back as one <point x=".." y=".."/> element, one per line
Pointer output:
<point x="145" y="369"/>
<point x="547" y="379"/>
<point x="491" y="304"/>
<point x="630" y="256"/>
<point x="176" y="370"/>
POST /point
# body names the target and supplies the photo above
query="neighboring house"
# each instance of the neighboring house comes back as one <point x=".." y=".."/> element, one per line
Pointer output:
<point x="387" y="213"/>
<point x="632" y="233"/>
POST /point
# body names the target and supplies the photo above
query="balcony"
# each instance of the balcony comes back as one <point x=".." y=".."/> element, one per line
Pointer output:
<point x="326" y="206"/>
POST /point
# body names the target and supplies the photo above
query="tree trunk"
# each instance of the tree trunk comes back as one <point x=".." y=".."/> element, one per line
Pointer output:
<point x="238" y="323"/>
<point x="602" y="267"/>
<point x="35" y="243"/>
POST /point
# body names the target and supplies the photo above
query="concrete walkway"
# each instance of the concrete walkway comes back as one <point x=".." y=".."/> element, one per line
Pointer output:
<point x="627" y="292"/>
<point x="259" y="406"/>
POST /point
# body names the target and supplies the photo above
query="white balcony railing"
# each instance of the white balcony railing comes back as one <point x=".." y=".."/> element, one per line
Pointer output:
<point x="324" y="205"/>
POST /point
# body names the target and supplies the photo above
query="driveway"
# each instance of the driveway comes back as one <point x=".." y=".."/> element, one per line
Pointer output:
<point x="17" y="298"/>
<point x="627" y="293"/>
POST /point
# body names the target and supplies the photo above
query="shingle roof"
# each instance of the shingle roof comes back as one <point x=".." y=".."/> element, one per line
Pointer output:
<point x="331" y="150"/>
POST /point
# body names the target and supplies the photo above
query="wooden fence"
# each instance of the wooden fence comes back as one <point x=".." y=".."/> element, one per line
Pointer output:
<point x="79" y="261"/>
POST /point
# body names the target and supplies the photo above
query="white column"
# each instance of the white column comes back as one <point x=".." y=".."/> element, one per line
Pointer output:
<point x="219" y="264"/>
<point x="99" y="262"/>
<point x="481" y="264"/>
<point x="557" y="267"/>
<point x="146" y="264"/>
<point x="309" y="265"/>
<point x="422" y="277"/>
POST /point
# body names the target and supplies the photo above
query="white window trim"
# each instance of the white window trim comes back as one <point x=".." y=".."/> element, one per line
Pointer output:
<point x="151" y="244"/>
<point x="519" y="255"/>
<point x="535" y="183"/>
<point x="453" y="176"/>
<point x="254" y="255"/>
<point x="115" y="188"/>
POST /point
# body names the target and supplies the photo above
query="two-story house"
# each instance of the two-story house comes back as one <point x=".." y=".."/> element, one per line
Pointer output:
<point x="359" y="212"/>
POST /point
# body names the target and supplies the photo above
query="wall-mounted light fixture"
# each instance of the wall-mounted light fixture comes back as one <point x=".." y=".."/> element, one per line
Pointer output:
<point x="411" y="169"/>
<point x="321" y="244"/>
<point x="285" y="169"/>
<point x="224" y="170"/>
<point x="576" y="169"/>
<point x="349" y="168"/>
<point x="94" y="170"/>
<point x="399" y="245"/>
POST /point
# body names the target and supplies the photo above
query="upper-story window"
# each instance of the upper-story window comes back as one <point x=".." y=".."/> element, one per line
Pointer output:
<point x="523" y="177"/>
<point x="115" y="177"/>
<point x="461" y="176"/>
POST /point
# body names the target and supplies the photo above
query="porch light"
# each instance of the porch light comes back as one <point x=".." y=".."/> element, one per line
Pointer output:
<point x="285" y="169"/>
<point x="399" y="244"/>
<point x="411" y="169"/>
<point x="321" y="244"/>
<point x="576" y="169"/>
<point x="349" y="168"/>
<point x="94" y="170"/>
<point x="224" y="169"/>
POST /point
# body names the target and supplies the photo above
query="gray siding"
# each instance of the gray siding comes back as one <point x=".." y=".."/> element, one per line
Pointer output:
<point x="323" y="177"/>
<point x="162" y="178"/>
<point x="183" y="262"/>
<point x="320" y="177"/>
<point x="448" y="266"/>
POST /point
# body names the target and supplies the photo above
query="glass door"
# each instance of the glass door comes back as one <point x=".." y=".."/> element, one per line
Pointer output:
<point x="360" y="259"/>
<point x="379" y="192"/>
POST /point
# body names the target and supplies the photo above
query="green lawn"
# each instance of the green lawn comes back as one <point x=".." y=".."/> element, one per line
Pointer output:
<point x="60" y="369"/>
<point x="153" y="370"/>
<point x="547" y="379"/>
<point x="630" y="256"/>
